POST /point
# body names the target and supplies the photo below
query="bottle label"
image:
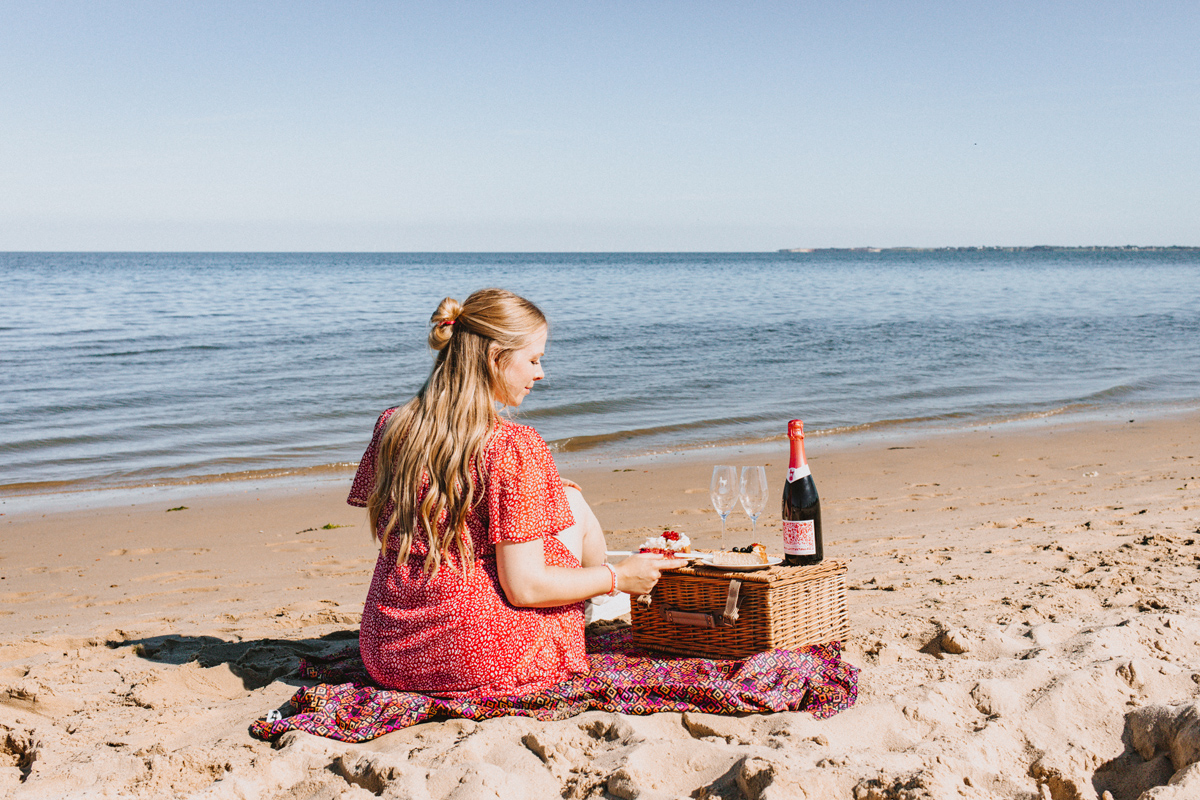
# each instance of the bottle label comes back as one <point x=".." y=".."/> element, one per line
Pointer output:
<point x="799" y="537"/>
<point x="796" y="473"/>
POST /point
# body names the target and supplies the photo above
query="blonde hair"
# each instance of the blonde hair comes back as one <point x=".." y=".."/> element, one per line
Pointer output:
<point x="440" y="434"/>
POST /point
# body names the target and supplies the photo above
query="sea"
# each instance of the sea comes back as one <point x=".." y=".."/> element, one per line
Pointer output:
<point x="146" y="369"/>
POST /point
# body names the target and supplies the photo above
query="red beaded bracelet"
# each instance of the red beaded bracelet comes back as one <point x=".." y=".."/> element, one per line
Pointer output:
<point x="612" y="570"/>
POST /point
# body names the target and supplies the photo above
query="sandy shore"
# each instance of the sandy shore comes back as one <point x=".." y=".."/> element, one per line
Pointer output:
<point x="1022" y="600"/>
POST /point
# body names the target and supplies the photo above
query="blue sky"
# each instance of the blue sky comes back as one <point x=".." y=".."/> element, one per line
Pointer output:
<point x="566" y="126"/>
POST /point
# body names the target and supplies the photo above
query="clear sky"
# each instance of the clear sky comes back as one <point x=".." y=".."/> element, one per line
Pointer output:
<point x="552" y="126"/>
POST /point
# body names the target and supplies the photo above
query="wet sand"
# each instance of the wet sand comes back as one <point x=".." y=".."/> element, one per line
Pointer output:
<point x="1022" y="601"/>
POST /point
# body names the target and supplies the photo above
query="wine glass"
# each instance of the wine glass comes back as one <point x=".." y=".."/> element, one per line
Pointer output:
<point x="723" y="491"/>
<point x="754" y="494"/>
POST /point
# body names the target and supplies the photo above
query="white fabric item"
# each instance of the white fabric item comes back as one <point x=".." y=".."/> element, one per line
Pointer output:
<point x="605" y="607"/>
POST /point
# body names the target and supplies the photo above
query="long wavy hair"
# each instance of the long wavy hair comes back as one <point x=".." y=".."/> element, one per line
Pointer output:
<point x="440" y="434"/>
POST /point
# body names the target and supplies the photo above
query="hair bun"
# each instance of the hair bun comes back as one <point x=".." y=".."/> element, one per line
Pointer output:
<point x="443" y="321"/>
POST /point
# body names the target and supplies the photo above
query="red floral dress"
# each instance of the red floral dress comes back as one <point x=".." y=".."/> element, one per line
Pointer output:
<point x="460" y="637"/>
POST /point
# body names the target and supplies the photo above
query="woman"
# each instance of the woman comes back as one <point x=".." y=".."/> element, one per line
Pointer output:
<point x="485" y="558"/>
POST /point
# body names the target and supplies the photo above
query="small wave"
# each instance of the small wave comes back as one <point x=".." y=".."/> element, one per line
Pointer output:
<point x="581" y="407"/>
<point x="887" y="424"/>
<point x="132" y="482"/>
<point x="150" y="351"/>
<point x="76" y="332"/>
<point x="723" y="437"/>
<point x="571" y="444"/>
<point x="38" y="487"/>
<point x="1070" y="408"/>
<point x="1120" y="391"/>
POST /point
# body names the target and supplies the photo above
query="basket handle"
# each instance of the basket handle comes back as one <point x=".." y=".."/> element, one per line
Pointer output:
<point x="699" y="619"/>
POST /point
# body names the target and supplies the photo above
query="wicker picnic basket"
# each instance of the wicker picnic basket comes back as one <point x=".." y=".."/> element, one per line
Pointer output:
<point x="713" y="613"/>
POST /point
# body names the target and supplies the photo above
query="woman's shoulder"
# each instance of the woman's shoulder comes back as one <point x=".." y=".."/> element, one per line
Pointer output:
<point x="364" y="478"/>
<point x="382" y="421"/>
<point x="510" y="432"/>
<point x="512" y="439"/>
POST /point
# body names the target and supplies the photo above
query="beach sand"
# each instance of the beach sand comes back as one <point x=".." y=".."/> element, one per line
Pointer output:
<point x="1022" y="606"/>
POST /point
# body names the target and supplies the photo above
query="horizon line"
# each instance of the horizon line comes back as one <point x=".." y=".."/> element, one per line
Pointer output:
<point x="777" y="251"/>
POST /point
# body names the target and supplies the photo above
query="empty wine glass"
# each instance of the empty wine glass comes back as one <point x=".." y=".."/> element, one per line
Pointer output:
<point x="754" y="494"/>
<point x="724" y="491"/>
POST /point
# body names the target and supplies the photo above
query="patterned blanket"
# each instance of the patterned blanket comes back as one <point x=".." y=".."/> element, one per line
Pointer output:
<point x="346" y="706"/>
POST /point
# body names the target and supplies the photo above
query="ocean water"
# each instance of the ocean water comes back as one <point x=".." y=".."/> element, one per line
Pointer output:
<point x="125" y="369"/>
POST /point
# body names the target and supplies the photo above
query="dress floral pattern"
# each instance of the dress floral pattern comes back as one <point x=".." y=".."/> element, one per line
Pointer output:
<point x="457" y="636"/>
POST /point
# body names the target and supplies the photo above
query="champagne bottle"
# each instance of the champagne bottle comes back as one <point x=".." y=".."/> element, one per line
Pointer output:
<point x="802" y="543"/>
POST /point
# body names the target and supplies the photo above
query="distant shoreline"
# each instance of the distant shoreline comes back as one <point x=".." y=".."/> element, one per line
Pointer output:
<point x="1038" y="248"/>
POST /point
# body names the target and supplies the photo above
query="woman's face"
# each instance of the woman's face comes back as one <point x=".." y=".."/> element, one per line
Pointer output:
<point x="523" y="368"/>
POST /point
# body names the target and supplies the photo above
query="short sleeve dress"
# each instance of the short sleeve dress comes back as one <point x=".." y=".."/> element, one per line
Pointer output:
<point x="457" y="636"/>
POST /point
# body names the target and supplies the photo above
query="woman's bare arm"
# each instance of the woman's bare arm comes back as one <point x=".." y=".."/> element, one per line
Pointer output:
<point x="527" y="581"/>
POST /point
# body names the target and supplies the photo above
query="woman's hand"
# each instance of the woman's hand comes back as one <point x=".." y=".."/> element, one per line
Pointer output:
<point x="637" y="574"/>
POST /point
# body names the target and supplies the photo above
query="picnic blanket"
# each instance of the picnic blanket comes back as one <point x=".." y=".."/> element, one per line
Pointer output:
<point x="347" y="706"/>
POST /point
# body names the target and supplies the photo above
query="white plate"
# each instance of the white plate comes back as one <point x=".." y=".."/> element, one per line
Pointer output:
<point x="687" y="556"/>
<point x="771" y="562"/>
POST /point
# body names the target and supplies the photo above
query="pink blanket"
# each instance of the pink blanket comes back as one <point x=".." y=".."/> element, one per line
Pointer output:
<point x="348" y="707"/>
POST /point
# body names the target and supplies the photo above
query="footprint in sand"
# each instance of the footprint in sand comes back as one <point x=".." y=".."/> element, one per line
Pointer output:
<point x="188" y="683"/>
<point x="332" y="568"/>
<point x="298" y="546"/>
<point x="172" y="577"/>
<point x="141" y="551"/>
<point x="138" y="598"/>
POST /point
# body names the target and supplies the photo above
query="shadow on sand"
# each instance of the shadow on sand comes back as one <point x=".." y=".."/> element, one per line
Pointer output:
<point x="256" y="661"/>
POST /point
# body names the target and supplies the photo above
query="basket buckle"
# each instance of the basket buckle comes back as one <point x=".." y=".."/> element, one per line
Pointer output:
<point x="733" y="603"/>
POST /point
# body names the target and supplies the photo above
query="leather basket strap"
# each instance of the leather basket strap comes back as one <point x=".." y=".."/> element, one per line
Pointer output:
<point x="699" y="619"/>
